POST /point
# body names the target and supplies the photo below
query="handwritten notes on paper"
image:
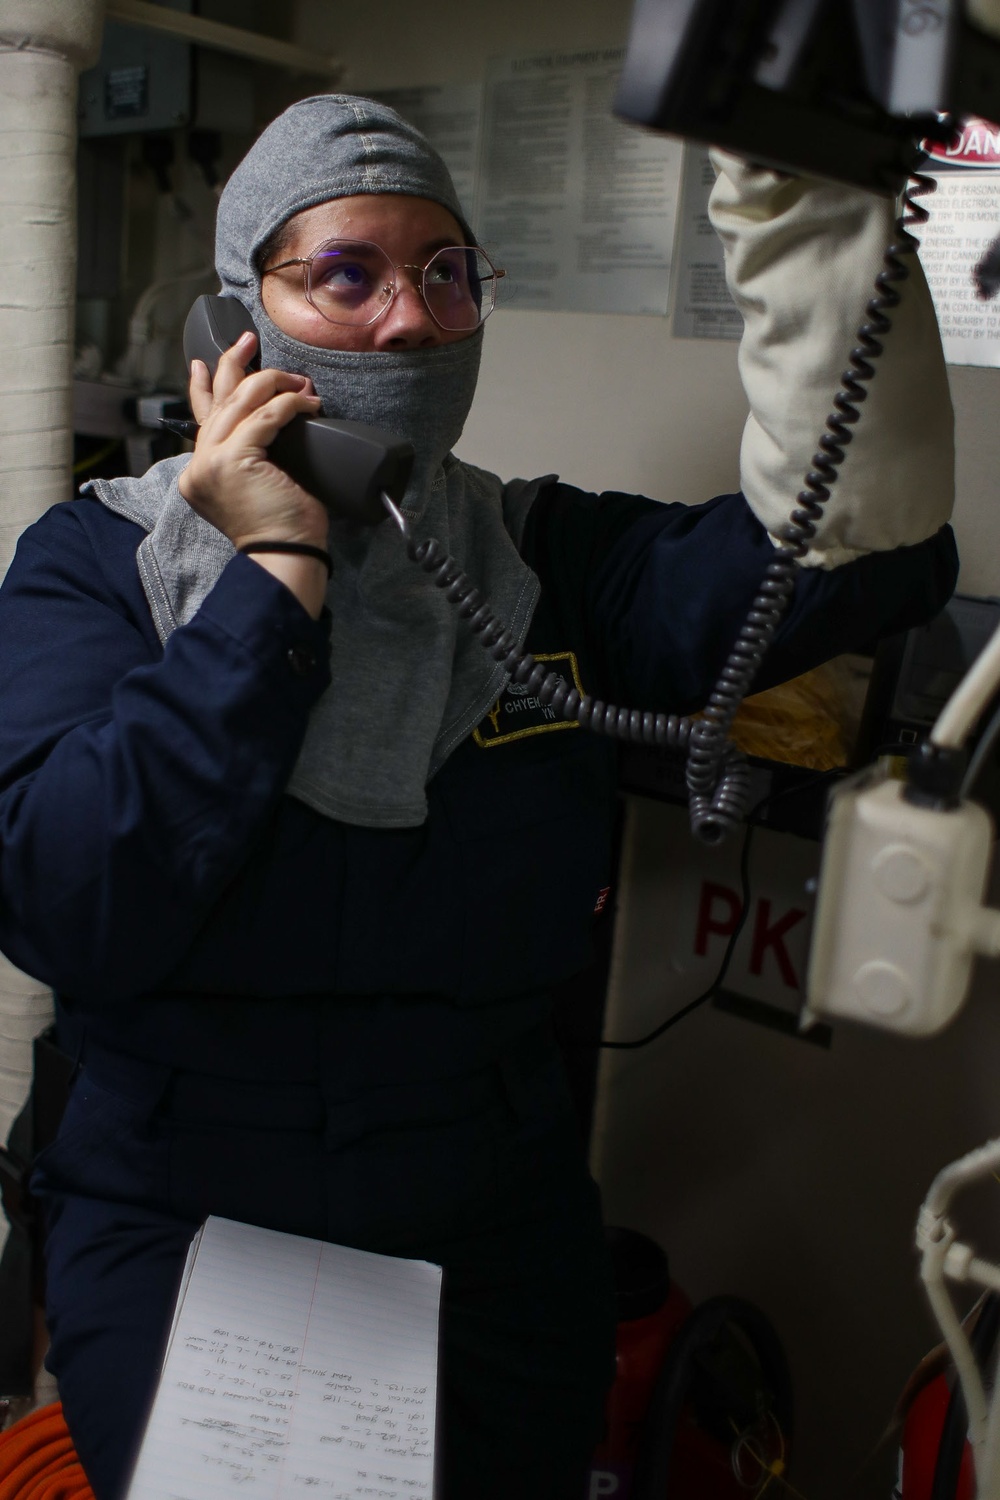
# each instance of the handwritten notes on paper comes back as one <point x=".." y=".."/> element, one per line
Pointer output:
<point x="295" y="1367"/>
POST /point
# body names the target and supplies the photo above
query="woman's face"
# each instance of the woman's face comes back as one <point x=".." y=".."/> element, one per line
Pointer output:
<point x="408" y="229"/>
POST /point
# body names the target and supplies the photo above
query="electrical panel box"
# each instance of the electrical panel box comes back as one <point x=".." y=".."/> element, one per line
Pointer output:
<point x="141" y="81"/>
<point x="145" y="81"/>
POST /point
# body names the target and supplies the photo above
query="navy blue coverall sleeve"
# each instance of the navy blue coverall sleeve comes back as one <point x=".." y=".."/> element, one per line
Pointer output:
<point x="661" y="592"/>
<point x="134" y="782"/>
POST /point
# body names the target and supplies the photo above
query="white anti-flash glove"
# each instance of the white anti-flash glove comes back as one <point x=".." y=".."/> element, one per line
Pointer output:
<point x="801" y="262"/>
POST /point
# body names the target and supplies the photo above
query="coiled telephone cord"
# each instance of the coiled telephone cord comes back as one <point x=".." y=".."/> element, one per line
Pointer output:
<point x="717" y="773"/>
<point x="709" y="743"/>
<point x="726" y="799"/>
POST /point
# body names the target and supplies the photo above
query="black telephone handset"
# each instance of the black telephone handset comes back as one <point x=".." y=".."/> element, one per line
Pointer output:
<point x="346" y="465"/>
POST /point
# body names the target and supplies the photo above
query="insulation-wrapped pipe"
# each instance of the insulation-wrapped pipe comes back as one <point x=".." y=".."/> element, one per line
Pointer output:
<point x="43" y="46"/>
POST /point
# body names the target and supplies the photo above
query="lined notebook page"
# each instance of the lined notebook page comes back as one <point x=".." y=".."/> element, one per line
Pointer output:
<point x="294" y="1367"/>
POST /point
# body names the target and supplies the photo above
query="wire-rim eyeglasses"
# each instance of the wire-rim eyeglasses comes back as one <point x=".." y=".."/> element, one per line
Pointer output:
<point x="352" y="283"/>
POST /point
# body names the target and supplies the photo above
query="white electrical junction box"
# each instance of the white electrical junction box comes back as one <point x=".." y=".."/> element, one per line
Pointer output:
<point x="899" y="912"/>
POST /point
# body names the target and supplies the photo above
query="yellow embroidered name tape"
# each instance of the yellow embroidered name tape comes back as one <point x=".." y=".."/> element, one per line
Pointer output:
<point x="518" y="713"/>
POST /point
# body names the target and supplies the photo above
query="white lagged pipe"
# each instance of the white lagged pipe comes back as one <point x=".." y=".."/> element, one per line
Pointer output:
<point x="25" y="1010"/>
<point x="37" y="226"/>
<point x="43" y="45"/>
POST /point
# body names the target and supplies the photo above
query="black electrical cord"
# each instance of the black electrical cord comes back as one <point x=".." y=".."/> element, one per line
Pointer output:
<point x="752" y="822"/>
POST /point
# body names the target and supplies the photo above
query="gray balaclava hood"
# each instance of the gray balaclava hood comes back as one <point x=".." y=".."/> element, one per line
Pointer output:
<point x="335" y="146"/>
<point x="409" y="681"/>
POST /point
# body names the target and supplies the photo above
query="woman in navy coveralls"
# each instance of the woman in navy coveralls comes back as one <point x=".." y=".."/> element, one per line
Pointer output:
<point x="295" y="1004"/>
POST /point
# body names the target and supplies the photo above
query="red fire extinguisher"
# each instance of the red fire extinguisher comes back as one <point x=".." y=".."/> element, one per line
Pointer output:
<point x="921" y="1456"/>
<point x="701" y="1407"/>
<point x="935" y="1460"/>
<point x="651" y="1308"/>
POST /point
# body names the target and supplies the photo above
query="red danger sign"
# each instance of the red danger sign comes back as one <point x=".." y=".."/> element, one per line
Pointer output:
<point x="978" y="146"/>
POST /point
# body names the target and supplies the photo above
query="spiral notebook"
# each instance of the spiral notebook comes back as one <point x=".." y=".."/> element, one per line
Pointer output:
<point x="294" y="1366"/>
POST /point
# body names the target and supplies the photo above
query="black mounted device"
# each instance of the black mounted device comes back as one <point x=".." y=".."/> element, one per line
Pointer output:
<point x="346" y="465"/>
<point x="831" y="88"/>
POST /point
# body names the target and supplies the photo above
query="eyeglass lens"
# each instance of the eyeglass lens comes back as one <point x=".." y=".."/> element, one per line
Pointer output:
<point x="351" y="282"/>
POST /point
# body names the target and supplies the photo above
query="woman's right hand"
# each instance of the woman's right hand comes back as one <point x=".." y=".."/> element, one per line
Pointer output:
<point x="231" y="481"/>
